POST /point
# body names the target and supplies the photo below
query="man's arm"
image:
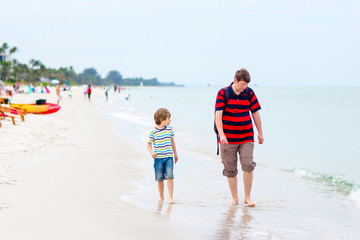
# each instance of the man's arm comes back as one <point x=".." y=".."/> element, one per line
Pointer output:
<point x="174" y="150"/>
<point x="257" y="120"/>
<point x="219" y="126"/>
<point x="149" y="147"/>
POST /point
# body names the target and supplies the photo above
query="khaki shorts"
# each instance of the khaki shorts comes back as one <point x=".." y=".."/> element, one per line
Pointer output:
<point x="229" y="158"/>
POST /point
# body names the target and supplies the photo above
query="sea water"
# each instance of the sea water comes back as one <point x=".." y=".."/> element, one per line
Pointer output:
<point x="307" y="179"/>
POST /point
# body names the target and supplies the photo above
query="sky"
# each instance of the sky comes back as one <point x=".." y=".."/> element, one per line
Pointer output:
<point x="281" y="43"/>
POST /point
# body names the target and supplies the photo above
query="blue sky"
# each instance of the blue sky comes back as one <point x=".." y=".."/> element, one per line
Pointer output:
<point x="281" y="43"/>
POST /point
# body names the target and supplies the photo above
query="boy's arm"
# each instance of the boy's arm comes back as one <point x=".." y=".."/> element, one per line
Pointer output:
<point x="174" y="149"/>
<point x="149" y="147"/>
<point x="257" y="120"/>
<point x="219" y="126"/>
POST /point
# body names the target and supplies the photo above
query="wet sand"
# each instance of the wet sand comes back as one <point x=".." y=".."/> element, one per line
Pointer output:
<point x="61" y="176"/>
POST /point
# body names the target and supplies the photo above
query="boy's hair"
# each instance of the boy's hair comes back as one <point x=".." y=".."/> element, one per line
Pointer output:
<point x="160" y="115"/>
<point x="242" y="74"/>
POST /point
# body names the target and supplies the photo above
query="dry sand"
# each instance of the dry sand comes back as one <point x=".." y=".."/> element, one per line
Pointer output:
<point x="61" y="176"/>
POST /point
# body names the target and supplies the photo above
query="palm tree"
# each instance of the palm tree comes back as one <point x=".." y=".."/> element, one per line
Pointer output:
<point x="4" y="47"/>
<point x="6" y="66"/>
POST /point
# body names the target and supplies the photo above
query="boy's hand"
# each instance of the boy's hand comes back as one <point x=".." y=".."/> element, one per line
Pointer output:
<point x="153" y="154"/>
<point x="176" y="158"/>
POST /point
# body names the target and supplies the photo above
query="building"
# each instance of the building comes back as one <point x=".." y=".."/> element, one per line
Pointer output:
<point x="5" y="57"/>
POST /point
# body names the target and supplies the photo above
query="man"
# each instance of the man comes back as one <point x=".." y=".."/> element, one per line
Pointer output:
<point x="235" y="132"/>
<point x="58" y="93"/>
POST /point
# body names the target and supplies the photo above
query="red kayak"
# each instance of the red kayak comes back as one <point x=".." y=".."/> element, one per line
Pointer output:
<point x="47" y="108"/>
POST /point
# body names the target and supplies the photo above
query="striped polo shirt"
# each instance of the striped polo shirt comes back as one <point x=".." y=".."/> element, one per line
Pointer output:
<point x="236" y="118"/>
<point x="161" y="139"/>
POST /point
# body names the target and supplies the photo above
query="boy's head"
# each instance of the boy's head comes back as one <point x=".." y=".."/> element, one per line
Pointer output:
<point x="161" y="115"/>
<point x="242" y="75"/>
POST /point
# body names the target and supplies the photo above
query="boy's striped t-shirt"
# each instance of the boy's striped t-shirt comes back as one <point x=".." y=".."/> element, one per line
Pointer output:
<point x="161" y="139"/>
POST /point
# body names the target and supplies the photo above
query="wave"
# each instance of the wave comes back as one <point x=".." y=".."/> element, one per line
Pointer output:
<point x="349" y="189"/>
<point x="340" y="184"/>
<point x="354" y="196"/>
<point x="128" y="116"/>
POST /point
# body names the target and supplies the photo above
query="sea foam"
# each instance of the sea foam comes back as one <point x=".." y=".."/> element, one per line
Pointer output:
<point x="354" y="196"/>
<point x="126" y="115"/>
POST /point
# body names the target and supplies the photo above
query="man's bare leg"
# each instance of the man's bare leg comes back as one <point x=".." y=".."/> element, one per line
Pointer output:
<point x="161" y="190"/>
<point x="233" y="189"/>
<point x="248" y="179"/>
<point x="170" y="185"/>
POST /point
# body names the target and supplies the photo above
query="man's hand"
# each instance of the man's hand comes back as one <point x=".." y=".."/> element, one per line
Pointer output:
<point x="223" y="139"/>
<point x="260" y="139"/>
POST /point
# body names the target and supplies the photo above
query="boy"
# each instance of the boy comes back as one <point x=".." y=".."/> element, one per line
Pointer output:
<point x="162" y="136"/>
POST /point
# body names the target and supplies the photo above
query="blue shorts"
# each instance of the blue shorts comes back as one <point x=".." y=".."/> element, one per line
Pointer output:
<point x="163" y="168"/>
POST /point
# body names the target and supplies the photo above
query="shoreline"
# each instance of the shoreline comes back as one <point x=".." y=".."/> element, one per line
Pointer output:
<point x="73" y="191"/>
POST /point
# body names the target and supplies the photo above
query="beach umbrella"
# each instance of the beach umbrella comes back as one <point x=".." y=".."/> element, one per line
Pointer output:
<point x="55" y="81"/>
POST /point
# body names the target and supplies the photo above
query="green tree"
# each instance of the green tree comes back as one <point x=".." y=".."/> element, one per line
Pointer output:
<point x="90" y="76"/>
<point x="114" y="77"/>
<point x="20" y="72"/>
<point x="5" y="70"/>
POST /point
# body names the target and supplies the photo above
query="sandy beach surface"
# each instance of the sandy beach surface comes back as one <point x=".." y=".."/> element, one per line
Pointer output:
<point x="61" y="176"/>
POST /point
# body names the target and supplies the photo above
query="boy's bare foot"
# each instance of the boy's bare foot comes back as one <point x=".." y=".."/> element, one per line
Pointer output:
<point x="234" y="202"/>
<point x="171" y="201"/>
<point x="161" y="199"/>
<point x="249" y="203"/>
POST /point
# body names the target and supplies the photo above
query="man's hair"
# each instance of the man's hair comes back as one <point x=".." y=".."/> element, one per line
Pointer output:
<point x="160" y="115"/>
<point x="242" y="74"/>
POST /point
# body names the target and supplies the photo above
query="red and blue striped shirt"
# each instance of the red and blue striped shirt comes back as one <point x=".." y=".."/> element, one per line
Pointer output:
<point x="237" y="124"/>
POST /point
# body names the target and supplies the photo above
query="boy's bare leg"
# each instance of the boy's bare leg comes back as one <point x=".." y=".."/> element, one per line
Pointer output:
<point x="248" y="179"/>
<point x="161" y="190"/>
<point x="170" y="185"/>
<point x="233" y="189"/>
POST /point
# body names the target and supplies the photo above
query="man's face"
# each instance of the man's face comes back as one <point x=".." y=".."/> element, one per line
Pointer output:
<point x="240" y="85"/>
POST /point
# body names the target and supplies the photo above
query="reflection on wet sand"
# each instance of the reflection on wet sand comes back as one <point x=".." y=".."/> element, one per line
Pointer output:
<point x="160" y="206"/>
<point x="235" y="224"/>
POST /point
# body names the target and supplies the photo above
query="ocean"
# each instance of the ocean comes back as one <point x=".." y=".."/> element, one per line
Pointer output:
<point x="306" y="183"/>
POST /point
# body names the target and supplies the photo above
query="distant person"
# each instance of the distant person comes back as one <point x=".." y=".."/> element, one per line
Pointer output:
<point x="162" y="138"/>
<point x="119" y="89"/>
<point x="58" y="93"/>
<point x="85" y="90"/>
<point x="107" y="95"/>
<point x="235" y="131"/>
<point x="89" y="92"/>
<point x="115" y="88"/>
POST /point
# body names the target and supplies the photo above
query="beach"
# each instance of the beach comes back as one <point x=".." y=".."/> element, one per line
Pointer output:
<point x="62" y="175"/>
<point x="85" y="173"/>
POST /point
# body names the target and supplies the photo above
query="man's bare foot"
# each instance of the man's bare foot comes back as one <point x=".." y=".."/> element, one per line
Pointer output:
<point x="249" y="203"/>
<point x="171" y="201"/>
<point x="234" y="202"/>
